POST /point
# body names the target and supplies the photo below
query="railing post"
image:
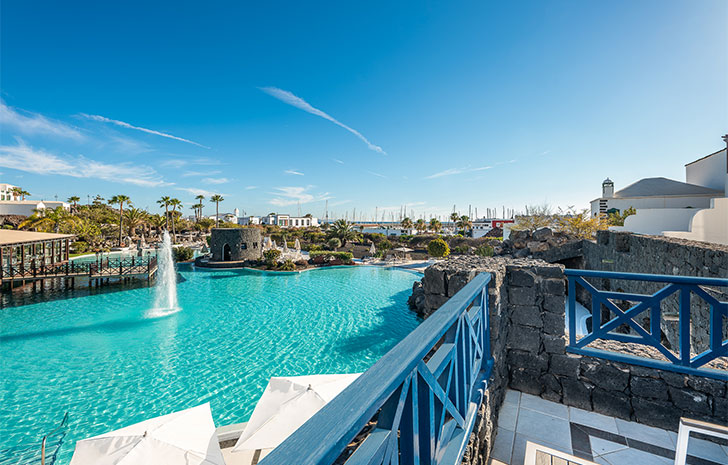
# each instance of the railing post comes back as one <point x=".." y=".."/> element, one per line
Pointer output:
<point x="572" y="310"/>
<point x="684" y="320"/>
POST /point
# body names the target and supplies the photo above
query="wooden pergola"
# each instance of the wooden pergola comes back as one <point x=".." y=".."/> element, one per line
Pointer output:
<point x="24" y="249"/>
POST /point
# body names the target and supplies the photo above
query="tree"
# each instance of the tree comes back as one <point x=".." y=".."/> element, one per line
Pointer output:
<point x="420" y="225"/>
<point x="438" y="248"/>
<point x="580" y="224"/>
<point x="199" y="205"/>
<point x="435" y="225"/>
<point x="73" y="200"/>
<point x="464" y="223"/>
<point x="120" y="199"/>
<point x="536" y="217"/>
<point x="50" y="220"/>
<point x="342" y="230"/>
<point x="134" y="217"/>
<point x="157" y="221"/>
<point x="164" y="202"/>
<point x="334" y="243"/>
<point x="406" y="223"/>
<point x="454" y="217"/>
<point x="20" y="192"/>
<point x="174" y="203"/>
<point x="217" y="198"/>
<point x="205" y="224"/>
<point x="615" y="218"/>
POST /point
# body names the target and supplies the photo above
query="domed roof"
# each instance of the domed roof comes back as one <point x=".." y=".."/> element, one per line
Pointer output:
<point x="607" y="181"/>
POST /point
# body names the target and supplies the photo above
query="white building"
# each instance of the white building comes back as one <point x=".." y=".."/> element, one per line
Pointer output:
<point x="696" y="209"/>
<point x="6" y="192"/>
<point x="28" y="207"/>
<point x="288" y="221"/>
<point x="484" y="226"/>
<point x="389" y="231"/>
<point x="248" y="220"/>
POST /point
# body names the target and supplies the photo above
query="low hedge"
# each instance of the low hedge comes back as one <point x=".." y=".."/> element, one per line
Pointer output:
<point x="343" y="256"/>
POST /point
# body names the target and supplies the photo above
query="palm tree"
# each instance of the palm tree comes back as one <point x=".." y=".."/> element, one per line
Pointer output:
<point x="20" y="192"/>
<point x="120" y="199"/>
<point x="164" y="202"/>
<point x="134" y="217"/>
<point x="406" y="223"/>
<point x="199" y="199"/>
<point x="50" y="220"/>
<point x="420" y="225"/>
<point x="217" y="198"/>
<point x="435" y="225"/>
<point x="174" y="203"/>
<point x="454" y="217"/>
<point x="73" y="200"/>
<point x="157" y="221"/>
<point x="342" y="230"/>
<point x="464" y="223"/>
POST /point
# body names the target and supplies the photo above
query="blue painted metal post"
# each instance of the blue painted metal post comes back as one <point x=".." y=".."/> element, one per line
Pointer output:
<point x="684" y="320"/>
<point x="572" y="311"/>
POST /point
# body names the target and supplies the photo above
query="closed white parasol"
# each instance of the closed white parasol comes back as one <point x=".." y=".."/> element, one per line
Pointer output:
<point x="286" y="404"/>
<point x="187" y="437"/>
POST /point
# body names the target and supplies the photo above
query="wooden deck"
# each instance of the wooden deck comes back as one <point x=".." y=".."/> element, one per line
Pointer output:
<point x="145" y="268"/>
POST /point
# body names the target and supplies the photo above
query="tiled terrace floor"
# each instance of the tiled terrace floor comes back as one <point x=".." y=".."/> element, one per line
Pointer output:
<point x="602" y="439"/>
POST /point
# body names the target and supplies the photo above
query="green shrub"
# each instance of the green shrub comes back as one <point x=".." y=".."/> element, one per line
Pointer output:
<point x="334" y="243"/>
<point x="438" y="248"/>
<point x="484" y="251"/>
<point x="315" y="247"/>
<point x="461" y="250"/>
<point x="271" y="256"/>
<point x="287" y="265"/>
<point x="80" y="246"/>
<point x="384" y="245"/>
<point x="182" y="254"/>
<point x="345" y="257"/>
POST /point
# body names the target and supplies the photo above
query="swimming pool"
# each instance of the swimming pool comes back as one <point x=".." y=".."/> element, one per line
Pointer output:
<point x="106" y="362"/>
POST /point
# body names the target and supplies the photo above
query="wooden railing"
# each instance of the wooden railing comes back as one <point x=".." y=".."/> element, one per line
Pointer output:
<point x="417" y="405"/>
<point x="98" y="269"/>
<point x="679" y="359"/>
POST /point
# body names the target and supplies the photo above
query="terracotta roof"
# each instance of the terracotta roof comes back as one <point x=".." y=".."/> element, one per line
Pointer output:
<point x="9" y="236"/>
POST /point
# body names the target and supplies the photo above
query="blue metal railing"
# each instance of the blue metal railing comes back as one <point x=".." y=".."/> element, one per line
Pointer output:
<point x="417" y="404"/>
<point x="681" y="359"/>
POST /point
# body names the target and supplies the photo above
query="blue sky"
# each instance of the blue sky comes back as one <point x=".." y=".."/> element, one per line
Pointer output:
<point x="367" y="105"/>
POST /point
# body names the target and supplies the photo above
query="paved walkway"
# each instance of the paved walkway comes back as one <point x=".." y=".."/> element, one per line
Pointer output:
<point x="602" y="439"/>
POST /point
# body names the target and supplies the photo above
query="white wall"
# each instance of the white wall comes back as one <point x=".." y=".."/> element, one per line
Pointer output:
<point x="709" y="172"/>
<point x="654" y="202"/>
<point x="655" y="221"/>
<point x="710" y="225"/>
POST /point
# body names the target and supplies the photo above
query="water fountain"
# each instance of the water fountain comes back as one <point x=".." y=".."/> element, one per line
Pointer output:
<point x="165" y="291"/>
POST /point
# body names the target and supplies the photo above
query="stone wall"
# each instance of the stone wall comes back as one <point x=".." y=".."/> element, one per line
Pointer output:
<point x="631" y="253"/>
<point x="244" y="243"/>
<point x="528" y="343"/>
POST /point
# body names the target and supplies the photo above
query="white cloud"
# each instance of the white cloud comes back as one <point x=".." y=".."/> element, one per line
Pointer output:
<point x="338" y="203"/>
<point x="36" y="124"/>
<point x="215" y="180"/>
<point x="454" y="171"/>
<point x="200" y="174"/>
<point x="103" y="119"/>
<point x="292" y="195"/>
<point x="196" y="191"/>
<point x="25" y="158"/>
<point x="337" y="161"/>
<point x="376" y="174"/>
<point x="294" y="172"/>
<point x="250" y="188"/>
<point x="293" y="100"/>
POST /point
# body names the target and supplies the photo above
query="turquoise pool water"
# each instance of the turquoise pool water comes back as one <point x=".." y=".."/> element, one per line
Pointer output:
<point x="100" y="358"/>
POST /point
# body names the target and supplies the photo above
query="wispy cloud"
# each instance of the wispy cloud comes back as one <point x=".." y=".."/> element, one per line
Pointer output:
<point x="292" y="195"/>
<point x="103" y="119"/>
<point x="215" y="180"/>
<point x="36" y="124"/>
<point x="339" y="202"/>
<point x="25" y="158"/>
<point x="294" y="172"/>
<point x="336" y="160"/>
<point x="377" y="174"/>
<point x="454" y="171"/>
<point x="197" y="191"/>
<point x="293" y="100"/>
<point x="200" y="174"/>
<point x="250" y="188"/>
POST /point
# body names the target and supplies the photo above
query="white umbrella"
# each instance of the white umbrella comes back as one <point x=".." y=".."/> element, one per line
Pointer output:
<point x="286" y="404"/>
<point x="186" y="437"/>
<point x="297" y="245"/>
<point x="403" y="249"/>
<point x="372" y="249"/>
